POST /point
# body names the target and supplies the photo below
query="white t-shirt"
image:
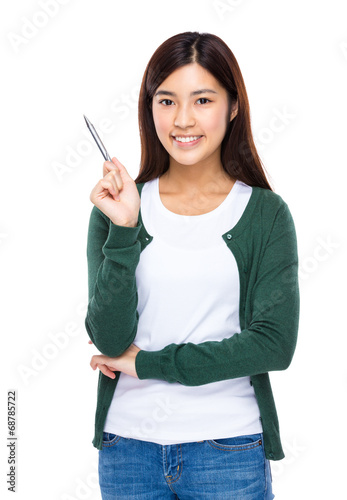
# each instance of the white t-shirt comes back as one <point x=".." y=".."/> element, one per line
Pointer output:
<point x="188" y="291"/>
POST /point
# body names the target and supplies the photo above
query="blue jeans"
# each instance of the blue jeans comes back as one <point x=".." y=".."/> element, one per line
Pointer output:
<point x="233" y="468"/>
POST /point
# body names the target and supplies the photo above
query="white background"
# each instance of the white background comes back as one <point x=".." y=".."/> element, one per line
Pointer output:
<point x="88" y="57"/>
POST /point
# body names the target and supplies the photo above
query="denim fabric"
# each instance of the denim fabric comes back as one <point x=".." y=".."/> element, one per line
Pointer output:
<point x="232" y="468"/>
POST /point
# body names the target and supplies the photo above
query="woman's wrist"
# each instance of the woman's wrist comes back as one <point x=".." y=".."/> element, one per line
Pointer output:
<point x="126" y="224"/>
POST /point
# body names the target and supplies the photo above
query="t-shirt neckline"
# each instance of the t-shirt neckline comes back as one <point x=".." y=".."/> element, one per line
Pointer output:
<point x="168" y="213"/>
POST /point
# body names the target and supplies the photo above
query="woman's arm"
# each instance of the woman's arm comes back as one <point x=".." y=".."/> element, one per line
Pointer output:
<point x="113" y="253"/>
<point x="267" y="344"/>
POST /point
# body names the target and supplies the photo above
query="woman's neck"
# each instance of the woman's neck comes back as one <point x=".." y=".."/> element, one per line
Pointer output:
<point x="192" y="179"/>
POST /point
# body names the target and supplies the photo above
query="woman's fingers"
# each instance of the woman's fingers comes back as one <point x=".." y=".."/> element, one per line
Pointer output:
<point x="107" y="185"/>
<point x="123" y="171"/>
<point x="108" y="166"/>
<point x="97" y="359"/>
<point x="111" y="171"/>
<point x="116" y="165"/>
<point x="106" y="371"/>
<point x="100" y="361"/>
<point x="113" y="183"/>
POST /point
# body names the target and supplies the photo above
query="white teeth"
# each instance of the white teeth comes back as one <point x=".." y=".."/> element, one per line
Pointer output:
<point x="187" y="139"/>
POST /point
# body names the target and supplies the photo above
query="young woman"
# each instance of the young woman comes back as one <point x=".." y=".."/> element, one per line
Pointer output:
<point x="193" y="291"/>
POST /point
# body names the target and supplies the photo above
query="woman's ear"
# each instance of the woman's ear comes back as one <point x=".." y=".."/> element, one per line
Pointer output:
<point x="234" y="110"/>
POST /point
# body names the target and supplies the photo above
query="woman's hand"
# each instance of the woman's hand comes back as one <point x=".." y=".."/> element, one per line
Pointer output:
<point x="124" y="363"/>
<point x="116" y="195"/>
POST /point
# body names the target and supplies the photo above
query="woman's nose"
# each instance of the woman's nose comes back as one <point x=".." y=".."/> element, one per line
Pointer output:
<point x="184" y="117"/>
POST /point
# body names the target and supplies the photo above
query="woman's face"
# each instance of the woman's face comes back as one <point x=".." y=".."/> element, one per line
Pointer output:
<point x="191" y="114"/>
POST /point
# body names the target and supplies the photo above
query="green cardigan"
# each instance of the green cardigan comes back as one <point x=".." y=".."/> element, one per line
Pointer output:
<point x="264" y="245"/>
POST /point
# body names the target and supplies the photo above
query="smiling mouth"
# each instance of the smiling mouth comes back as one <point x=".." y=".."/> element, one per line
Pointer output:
<point x="189" y="139"/>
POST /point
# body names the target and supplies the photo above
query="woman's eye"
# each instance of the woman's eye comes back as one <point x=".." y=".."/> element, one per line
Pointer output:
<point x="166" y="102"/>
<point x="203" y="99"/>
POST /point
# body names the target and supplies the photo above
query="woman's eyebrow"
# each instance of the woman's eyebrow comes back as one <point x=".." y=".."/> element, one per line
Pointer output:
<point x="196" y="92"/>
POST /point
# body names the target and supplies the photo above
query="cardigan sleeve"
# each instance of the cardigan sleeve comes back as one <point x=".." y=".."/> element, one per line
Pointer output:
<point x="268" y="342"/>
<point x="113" y="253"/>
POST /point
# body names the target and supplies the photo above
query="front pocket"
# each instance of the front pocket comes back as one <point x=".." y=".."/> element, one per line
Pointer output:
<point x="109" y="439"/>
<point x="237" y="443"/>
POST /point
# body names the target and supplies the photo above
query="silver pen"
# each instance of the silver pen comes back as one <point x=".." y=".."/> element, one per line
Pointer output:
<point x="97" y="139"/>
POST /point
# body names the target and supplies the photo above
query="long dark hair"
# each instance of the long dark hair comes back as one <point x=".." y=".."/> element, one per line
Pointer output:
<point x="239" y="156"/>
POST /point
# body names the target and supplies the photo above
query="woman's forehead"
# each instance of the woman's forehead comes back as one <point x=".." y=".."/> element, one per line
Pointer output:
<point x="190" y="79"/>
